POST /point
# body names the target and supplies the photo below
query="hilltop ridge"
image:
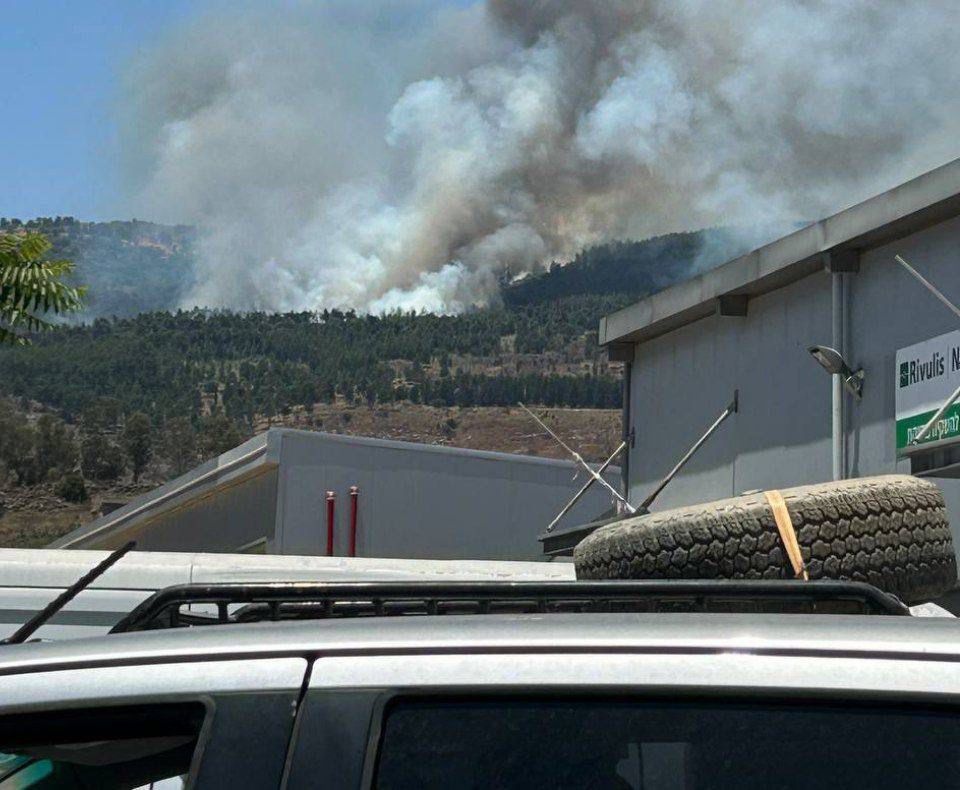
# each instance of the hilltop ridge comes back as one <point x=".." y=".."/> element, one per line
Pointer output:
<point x="133" y="266"/>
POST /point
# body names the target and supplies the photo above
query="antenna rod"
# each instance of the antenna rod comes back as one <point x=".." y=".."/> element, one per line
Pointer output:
<point x="731" y="409"/>
<point x="933" y="420"/>
<point x="26" y="630"/>
<point x="560" y="441"/>
<point x="929" y="286"/>
<point x="579" y="460"/>
<point x="582" y="491"/>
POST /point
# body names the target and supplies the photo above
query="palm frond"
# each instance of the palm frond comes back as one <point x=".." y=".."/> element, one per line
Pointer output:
<point x="31" y="286"/>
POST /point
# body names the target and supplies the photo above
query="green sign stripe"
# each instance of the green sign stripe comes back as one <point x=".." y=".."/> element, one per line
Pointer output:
<point x="948" y="427"/>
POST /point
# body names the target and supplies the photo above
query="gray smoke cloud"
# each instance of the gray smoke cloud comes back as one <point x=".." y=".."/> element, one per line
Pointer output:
<point x="383" y="155"/>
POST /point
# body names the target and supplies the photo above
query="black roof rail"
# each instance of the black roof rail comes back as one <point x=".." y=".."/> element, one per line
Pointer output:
<point x="224" y="603"/>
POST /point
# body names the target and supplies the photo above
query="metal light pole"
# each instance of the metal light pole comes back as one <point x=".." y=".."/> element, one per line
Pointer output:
<point x="841" y="378"/>
<point x="836" y="411"/>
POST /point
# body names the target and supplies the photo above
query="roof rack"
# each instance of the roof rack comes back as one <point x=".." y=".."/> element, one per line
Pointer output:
<point x="219" y="604"/>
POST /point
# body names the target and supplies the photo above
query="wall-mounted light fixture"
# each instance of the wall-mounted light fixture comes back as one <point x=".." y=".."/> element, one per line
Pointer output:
<point x="832" y="362"/>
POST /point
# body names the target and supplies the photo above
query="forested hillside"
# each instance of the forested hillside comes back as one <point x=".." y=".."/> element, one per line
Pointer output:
<point x="220" y="373"/>
<point x="212" y="377"/>
<point x="633" y="268"/>
<point x="132" y="267"/>
<point x="101" y="410"/>
<point x="127" y="267"/>
<point x="134" y="394"/>
<point x="188" y="363"/>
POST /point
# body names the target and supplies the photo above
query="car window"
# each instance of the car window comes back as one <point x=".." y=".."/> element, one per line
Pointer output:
<point x="114" y="747"/>
<point x="609" y="743"/>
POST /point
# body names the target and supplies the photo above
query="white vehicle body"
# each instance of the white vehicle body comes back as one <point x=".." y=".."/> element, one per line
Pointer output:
<point x="305" y="704"/>
<point x="31" y="578"/>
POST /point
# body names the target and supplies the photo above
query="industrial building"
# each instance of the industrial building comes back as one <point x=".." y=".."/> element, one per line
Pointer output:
<point x="289" y="491"/>
<point x="748" y="325"/>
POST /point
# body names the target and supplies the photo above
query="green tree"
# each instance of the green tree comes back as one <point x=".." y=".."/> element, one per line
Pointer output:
<point x="31" y="287"/>
<point x="137" y="440"/>
<point x="101" y="414"/>
<point x="178" y="444"/>
<point x="16" y="444"/>
<point x="56" y="448"/>
<point x="101" y="458"/>
<point x="72" y="488"/>
<point x="217" y="435"/>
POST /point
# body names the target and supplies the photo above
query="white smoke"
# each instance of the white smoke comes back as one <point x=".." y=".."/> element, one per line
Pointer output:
<point x="394" y="154"/>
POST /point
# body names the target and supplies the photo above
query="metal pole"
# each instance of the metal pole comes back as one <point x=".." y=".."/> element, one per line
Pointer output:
<point x="929" y="286"/>
<point x="582" y="491"/>
<point x="354" y="501"/>
<point x="731" y="409"/>
<point x="625" y="461"/>
<point x="331" y="503"/>
<point x="933" y="420"/>
<point x="577" y="457"/>
<point x="836" y="411"/>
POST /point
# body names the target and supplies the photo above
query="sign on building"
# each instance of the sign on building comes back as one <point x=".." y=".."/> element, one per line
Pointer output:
<point x="927" y="375"/>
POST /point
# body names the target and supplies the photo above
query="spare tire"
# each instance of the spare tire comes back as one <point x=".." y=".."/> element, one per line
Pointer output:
<point x="890" y="531"/>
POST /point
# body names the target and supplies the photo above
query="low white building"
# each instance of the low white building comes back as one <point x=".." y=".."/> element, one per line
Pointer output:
<point x="269" y="495"/>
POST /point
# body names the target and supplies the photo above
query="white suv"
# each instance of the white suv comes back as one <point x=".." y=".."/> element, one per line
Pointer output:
<point x="653" y="685"/>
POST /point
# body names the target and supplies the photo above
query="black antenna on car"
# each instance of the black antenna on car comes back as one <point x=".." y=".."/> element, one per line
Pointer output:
<point x="26" y="630"/>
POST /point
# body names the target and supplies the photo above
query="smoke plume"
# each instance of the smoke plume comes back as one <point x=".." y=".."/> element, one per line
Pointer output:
<point x="392" y="154"/>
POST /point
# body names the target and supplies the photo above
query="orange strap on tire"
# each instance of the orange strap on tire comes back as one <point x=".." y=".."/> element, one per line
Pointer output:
<point x="788" y="534"/>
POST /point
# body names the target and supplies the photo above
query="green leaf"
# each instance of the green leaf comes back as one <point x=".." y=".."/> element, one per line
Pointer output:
<point x="31" y="286"/>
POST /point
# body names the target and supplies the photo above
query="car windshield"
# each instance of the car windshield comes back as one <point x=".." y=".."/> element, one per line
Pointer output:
<point x="652" y="745"/>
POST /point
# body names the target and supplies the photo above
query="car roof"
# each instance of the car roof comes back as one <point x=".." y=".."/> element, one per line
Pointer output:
<point x="793" y="634"/>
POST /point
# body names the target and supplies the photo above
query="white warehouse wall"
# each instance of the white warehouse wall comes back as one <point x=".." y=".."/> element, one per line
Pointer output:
<point x="422" y="501"/>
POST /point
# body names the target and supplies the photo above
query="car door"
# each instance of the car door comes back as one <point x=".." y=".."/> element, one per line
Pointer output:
<point x="196" y="723"/>
<point x="615" y="719"/>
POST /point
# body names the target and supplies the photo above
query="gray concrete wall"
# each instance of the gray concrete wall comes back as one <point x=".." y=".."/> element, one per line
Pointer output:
<point x="684" y="379"/>
<point x="422" y="501"/>
<point x="781" y="437"/>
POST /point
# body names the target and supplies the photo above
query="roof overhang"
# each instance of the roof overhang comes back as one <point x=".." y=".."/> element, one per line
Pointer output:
<point x="252" y="458"/>
<point x="899" y="212"/>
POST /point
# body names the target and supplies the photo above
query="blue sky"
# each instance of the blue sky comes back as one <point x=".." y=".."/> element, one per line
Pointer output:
<point x="60" y="62"/>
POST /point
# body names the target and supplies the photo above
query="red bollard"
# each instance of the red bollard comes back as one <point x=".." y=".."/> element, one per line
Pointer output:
<point x="331" y="500"/>
<point x="354" y="498"/>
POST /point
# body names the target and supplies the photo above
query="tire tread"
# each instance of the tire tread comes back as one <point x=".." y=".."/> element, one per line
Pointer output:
<point x="891" y="531"/>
